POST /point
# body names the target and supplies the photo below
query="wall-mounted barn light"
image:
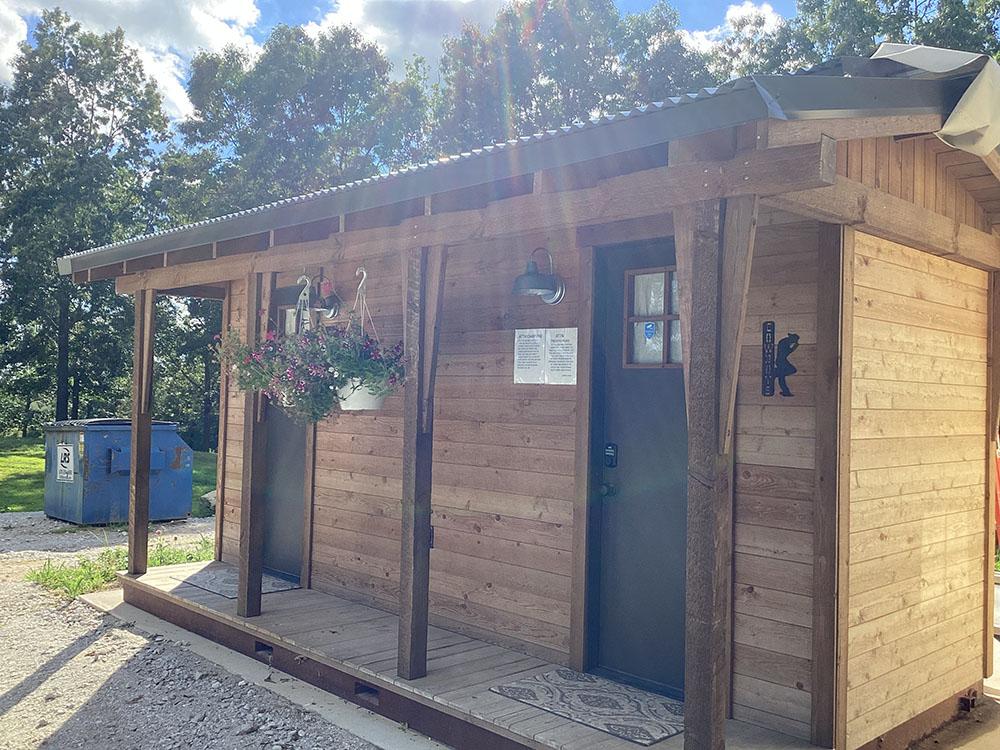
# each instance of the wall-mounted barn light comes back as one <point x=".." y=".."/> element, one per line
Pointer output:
<point x="549" y="286"/>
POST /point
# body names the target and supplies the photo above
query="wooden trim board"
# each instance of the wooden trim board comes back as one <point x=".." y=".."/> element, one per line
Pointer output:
<point x="992" y="423"/>
<point x="580" y="629"/>
<point x="834" y="345"/>
<point x="220" y="469"/>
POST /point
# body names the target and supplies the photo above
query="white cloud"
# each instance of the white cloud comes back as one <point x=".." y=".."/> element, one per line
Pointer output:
<point x="167" y="33"/>
<point x="705" y="39"/>
<point x="403" y="28"/>
<point x="13" y="31"/>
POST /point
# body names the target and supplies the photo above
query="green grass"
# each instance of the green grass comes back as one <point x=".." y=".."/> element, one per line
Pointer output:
<point x="22" y="473"/>
<point x="205" y="465"/>
<point x="22" y="477"/>
<point x="85" y="575"/>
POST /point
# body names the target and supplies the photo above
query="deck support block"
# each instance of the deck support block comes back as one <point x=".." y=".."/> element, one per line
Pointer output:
<point x="423" y="290"/>
<point x="251" y="545"/>
<point x="142" y="425"/>
<point x="717" y="237"/>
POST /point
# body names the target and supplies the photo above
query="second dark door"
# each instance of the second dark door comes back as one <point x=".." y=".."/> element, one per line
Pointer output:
<point x="284" y="494"/>
<point x="640" y="445"/>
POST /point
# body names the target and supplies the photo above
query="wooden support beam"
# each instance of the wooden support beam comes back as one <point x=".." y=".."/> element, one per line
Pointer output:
<point x="142" y="426"/>
<point x="738" y="236"/>
<point x="251" y="548"/>
<point x="718" y="281"/>
<point x="834" y="344"/>
<point x="423" y="292"/>
<point x="787" y="132"/>
<point x="651" y="192"/>
<point x="202" y="291"/>
<point x="891" y="218"/>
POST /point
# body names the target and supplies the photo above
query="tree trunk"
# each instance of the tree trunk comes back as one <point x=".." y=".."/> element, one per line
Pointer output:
<point x="62" y="357"/>
<point x="26" y="418"/>
<point x="74" y="411"/>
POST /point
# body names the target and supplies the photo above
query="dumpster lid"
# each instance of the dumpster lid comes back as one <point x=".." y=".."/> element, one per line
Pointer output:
<point x="99" y="421"/>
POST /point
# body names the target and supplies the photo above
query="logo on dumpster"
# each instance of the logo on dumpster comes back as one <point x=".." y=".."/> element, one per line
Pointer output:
<point x="64" y="462"/>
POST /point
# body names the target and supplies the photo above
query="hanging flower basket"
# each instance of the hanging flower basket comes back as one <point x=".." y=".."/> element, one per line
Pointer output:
<point x="355" y="396"/>
<point x="317" y="372"/>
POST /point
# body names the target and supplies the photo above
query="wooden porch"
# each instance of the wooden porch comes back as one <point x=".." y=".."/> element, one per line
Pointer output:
<point x="350" y="649"/>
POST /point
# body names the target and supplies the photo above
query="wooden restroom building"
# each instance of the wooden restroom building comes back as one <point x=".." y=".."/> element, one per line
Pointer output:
<point x="758" y="478"/>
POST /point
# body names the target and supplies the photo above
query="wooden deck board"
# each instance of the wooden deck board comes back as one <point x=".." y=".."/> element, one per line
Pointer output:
<point x="361" y="640"/>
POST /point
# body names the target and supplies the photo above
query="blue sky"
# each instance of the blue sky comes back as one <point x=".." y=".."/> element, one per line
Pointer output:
<point x="168" y="33"/>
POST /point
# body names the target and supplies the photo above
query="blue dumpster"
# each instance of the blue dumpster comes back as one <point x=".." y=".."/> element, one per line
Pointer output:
<point x="87" y="465"/>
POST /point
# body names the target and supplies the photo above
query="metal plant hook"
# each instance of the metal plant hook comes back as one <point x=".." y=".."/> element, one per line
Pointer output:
<point x="360" y="309"/>
<point x="302" y="304"/>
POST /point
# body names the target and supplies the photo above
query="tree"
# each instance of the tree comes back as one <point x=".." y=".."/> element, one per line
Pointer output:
<point x="547" y="64"/>
<point x="77" y="131"/>
<point x="308" y="113"/>
<point x="656" y="61"/>
<point x="825" y="29"/>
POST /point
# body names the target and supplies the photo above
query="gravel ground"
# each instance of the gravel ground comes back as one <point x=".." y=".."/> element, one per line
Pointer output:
<point x="74" y="678"/>
<point x="33" y="536"/>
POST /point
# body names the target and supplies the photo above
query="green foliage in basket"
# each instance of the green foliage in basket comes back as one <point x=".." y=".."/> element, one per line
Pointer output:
<point x="302" y="374"/>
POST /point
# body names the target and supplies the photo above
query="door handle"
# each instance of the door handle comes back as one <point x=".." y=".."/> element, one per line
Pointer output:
<point x="607" y="490"/>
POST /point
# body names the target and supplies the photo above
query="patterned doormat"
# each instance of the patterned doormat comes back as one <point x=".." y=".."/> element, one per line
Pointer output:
<point x="223" y="580"/>
<point x="617" y="709"/>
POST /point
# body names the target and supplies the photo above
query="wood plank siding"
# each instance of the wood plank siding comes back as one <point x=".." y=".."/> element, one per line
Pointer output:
<point x="918" y="410"/>
<point x="926" y="172"/>
<point x="503" y="459"/>
<point x="774" y="487"/>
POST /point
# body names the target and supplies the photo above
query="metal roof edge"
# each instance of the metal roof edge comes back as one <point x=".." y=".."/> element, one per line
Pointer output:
<point x="733" y="103"/>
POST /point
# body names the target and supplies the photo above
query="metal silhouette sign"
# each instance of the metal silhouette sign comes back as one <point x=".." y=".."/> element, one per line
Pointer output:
<point x="774" y="364"/>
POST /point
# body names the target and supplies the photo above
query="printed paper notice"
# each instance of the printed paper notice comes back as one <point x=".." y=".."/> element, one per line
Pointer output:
<point x="545" y="355"/>
<point x="64" y="463"/>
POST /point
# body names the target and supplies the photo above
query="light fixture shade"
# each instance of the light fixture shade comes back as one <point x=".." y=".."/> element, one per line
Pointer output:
<point x="533" y="283"/>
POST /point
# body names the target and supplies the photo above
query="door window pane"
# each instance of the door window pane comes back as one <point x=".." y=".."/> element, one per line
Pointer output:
<point x="647" y="343"/>
<point x="675" y="299"/>
<point x="676" y="353"/>
<point x="647" y="294"/>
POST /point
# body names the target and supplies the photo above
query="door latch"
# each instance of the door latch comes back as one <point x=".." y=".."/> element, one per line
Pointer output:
<point x="610" y="455"/>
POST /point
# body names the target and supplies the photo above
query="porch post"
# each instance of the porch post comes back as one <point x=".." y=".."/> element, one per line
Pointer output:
<point x="423" y="290"/>
<point x="717" y="238"/>
<point x="251" y="550"/>
<point x="142" y="397"/>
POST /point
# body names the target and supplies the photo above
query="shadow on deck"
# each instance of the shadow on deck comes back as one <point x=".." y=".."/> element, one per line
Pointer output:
<point x="349" y="649"/>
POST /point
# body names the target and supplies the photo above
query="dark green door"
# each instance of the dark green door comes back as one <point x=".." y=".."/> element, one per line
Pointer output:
<point x="284" y="494"/>
<point x="640" y="447"/>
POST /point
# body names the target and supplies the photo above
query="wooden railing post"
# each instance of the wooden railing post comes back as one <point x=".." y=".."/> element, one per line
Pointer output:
<point x="423" y="290"/>
<point x="142" y="425"/>
<point x="251" y="550"/>
<point x="717" y="238"/>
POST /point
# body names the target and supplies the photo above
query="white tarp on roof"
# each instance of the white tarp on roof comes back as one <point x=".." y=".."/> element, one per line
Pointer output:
<point x="974" y="124"/>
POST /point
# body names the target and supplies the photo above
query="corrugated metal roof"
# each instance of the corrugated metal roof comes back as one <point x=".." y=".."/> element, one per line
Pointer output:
<point x="830" y="90"/>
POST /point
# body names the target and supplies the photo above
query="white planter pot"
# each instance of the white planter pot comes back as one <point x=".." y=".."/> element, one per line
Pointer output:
<point x="354" y="397"/>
